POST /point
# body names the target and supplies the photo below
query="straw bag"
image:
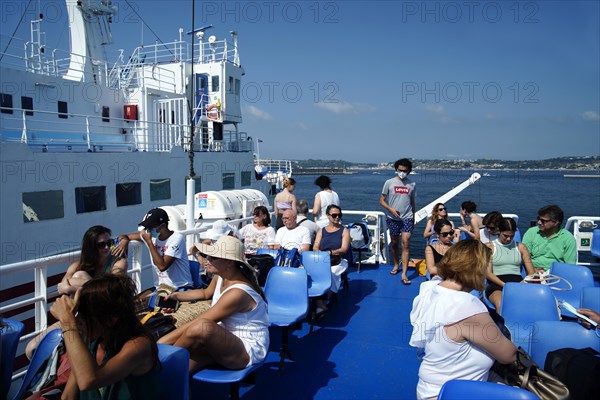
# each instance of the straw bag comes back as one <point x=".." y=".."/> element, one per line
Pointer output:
<point x="525" y="373"/>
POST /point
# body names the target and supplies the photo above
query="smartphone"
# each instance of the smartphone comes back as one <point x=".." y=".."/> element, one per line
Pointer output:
<point x="164" y="303"/>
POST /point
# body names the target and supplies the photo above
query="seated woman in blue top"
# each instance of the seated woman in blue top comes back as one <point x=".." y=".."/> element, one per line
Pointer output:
<point x="506" y="260"/>
<point x="112" y="356"/>
<point x="334" y="239"/>
<point x="234" y="332"/>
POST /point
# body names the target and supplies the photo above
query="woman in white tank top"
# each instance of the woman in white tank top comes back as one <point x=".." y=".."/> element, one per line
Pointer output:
<point x="324" y="199"/>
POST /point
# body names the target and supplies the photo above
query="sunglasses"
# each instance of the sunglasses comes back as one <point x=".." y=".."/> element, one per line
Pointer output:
<point x="105" y="244"/>
<point x="446" y="234"/>
<point x="336" y="215"/>
<point x="442" y="209"/>
<point x="545" y="221"/>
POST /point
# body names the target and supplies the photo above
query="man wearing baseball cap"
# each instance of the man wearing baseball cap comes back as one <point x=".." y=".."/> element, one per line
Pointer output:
<point x="167" y="250"/>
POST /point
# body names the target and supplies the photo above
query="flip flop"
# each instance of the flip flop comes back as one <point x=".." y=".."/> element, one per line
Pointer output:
<point x="406" y="281"/>
<point x="394" y="271"/>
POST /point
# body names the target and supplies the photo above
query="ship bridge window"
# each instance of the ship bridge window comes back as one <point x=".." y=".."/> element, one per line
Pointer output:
<point x="27" y="104"/>
<point x="215" y="83"/>
<point x="230" y="85"/>
<point x="237" y="87"/>
<point x="90" y="199"/>
<point x="40" y="206"/>
<point x="129" y="194"/>
<point x="160" y="189"/>
<point x="63" y="109"/>
<point x="228" y="180"/>
<point x="246" y="178"/>
<point x="105" y="114"/>
<point x="6" y="103"/>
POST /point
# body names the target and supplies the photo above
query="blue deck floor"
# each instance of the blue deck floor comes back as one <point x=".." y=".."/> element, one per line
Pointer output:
<point x="359" y="350"/>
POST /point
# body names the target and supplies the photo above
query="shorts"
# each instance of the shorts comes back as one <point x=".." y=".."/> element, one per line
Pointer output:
<point x="492" y="287"/>
<point x="396" y="226"/>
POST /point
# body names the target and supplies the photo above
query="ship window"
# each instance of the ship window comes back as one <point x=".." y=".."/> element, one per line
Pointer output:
<point x="215" y="83"/>
<point x="90" y="199"/>
<point x="40" y="206"/>
<point x="62" y="109"/>
<point x="160" y="189"/>
<point x="27" y="104"/>
<point x="6" y="103"/>
<point x="246" y="178"/>
<point x="129" y="194"/>
<point x="105" y="114"/>
<point x="237" y="87"/>
<point x="229" y="180"/>
<point x="230" y="86"/>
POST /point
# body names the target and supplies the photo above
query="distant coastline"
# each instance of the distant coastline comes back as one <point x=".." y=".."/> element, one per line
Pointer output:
<point x="567" y="164"/>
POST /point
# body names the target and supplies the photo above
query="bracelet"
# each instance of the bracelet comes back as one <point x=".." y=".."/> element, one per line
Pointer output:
<point x="70" y="329"/>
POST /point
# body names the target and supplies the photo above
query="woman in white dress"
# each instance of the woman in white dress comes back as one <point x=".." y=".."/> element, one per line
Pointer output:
<point x="324" y="199"/>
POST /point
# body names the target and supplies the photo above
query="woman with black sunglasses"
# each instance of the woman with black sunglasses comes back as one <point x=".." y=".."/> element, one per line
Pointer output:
<point x="439" y="211"/>
<point x="435" y="252"/>
<point x="334" y="239"/>
<point x="95" y="260"/>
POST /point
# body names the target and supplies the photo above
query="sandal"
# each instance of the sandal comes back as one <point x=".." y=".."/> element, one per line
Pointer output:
<point x="406" y="281"/>
<point x="394" y="271"/>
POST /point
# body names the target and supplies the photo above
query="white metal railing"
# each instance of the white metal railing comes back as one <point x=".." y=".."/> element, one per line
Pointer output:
<point x="90" y="132"/>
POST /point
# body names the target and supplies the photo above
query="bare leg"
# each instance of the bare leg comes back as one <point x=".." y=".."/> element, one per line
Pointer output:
<point x="210" y="343"/>
<point x="394" y="241"/>
<point x="405" y="252"/>
<point x="33" y="343"/>
<point x="496" y="298"/>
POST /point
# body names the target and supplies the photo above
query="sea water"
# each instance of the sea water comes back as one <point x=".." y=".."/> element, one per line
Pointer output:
<point x="520" y="192"/>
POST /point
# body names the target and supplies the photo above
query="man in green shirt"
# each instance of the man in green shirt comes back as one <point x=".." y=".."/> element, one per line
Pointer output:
<point x="548" y="242"/>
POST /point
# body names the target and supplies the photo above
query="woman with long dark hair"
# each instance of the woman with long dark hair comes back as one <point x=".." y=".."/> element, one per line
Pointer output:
<point x="111" y="354"/>
<point x="95" y="260"/>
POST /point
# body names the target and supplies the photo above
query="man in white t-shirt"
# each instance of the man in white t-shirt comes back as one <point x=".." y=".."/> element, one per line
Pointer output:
<point x="290" y="235"/>
<point x="170" y="265"/>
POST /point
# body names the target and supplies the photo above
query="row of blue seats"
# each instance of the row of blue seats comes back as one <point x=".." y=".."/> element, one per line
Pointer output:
<point x="288" y="292"/>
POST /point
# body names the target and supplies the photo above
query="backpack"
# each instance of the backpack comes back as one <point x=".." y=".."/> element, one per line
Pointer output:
<point x="288" y="258"/>
<point x="578" y="369"/>
<point x="359" y="235"/>
<point x="263" y="263"/>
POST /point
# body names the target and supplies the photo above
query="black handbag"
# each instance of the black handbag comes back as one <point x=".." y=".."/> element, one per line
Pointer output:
<point x="158" y="324"/>
<point x="526" y="374"/>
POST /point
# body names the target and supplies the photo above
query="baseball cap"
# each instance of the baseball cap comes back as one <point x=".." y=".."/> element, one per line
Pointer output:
<point x="154" y="218"/>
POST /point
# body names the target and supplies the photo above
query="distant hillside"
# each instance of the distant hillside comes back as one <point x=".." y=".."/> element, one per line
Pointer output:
<point x="588" y="163"/>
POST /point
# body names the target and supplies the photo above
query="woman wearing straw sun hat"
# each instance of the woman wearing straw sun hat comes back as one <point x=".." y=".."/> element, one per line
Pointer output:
<point x="234" y="332"/>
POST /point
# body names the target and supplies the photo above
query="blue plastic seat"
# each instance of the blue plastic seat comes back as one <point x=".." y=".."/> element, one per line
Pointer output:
<point x="174" y="375"/>
<point x="522" y="305"/>
<point x="286" y="291"/>
<point x="222" y="375"/>
<point x="579" y="276"/>
<point x="11" y="332"/>
<point x="518" y="237"/>
<point x="318" y="268"/>
<point x="548" y="336"/>
<point x="476" y="390"/>
<point x="590" y="298"/>
<point x="264" y="250"/>
<point x="42" y="352"/>
<point x="595" y="245"/>
<point x="195" y="271"/>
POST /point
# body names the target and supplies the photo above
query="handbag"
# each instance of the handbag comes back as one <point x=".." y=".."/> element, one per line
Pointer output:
<point x="288" y="258"/>
<point x="526" y="374"/>
<point x="158" y="324"/>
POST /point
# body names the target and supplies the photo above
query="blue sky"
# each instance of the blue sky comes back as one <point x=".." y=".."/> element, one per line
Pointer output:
<point x="376" y="81"/>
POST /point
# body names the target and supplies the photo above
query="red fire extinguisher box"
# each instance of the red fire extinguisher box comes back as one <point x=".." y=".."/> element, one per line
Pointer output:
<point x="130" y="112"/>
